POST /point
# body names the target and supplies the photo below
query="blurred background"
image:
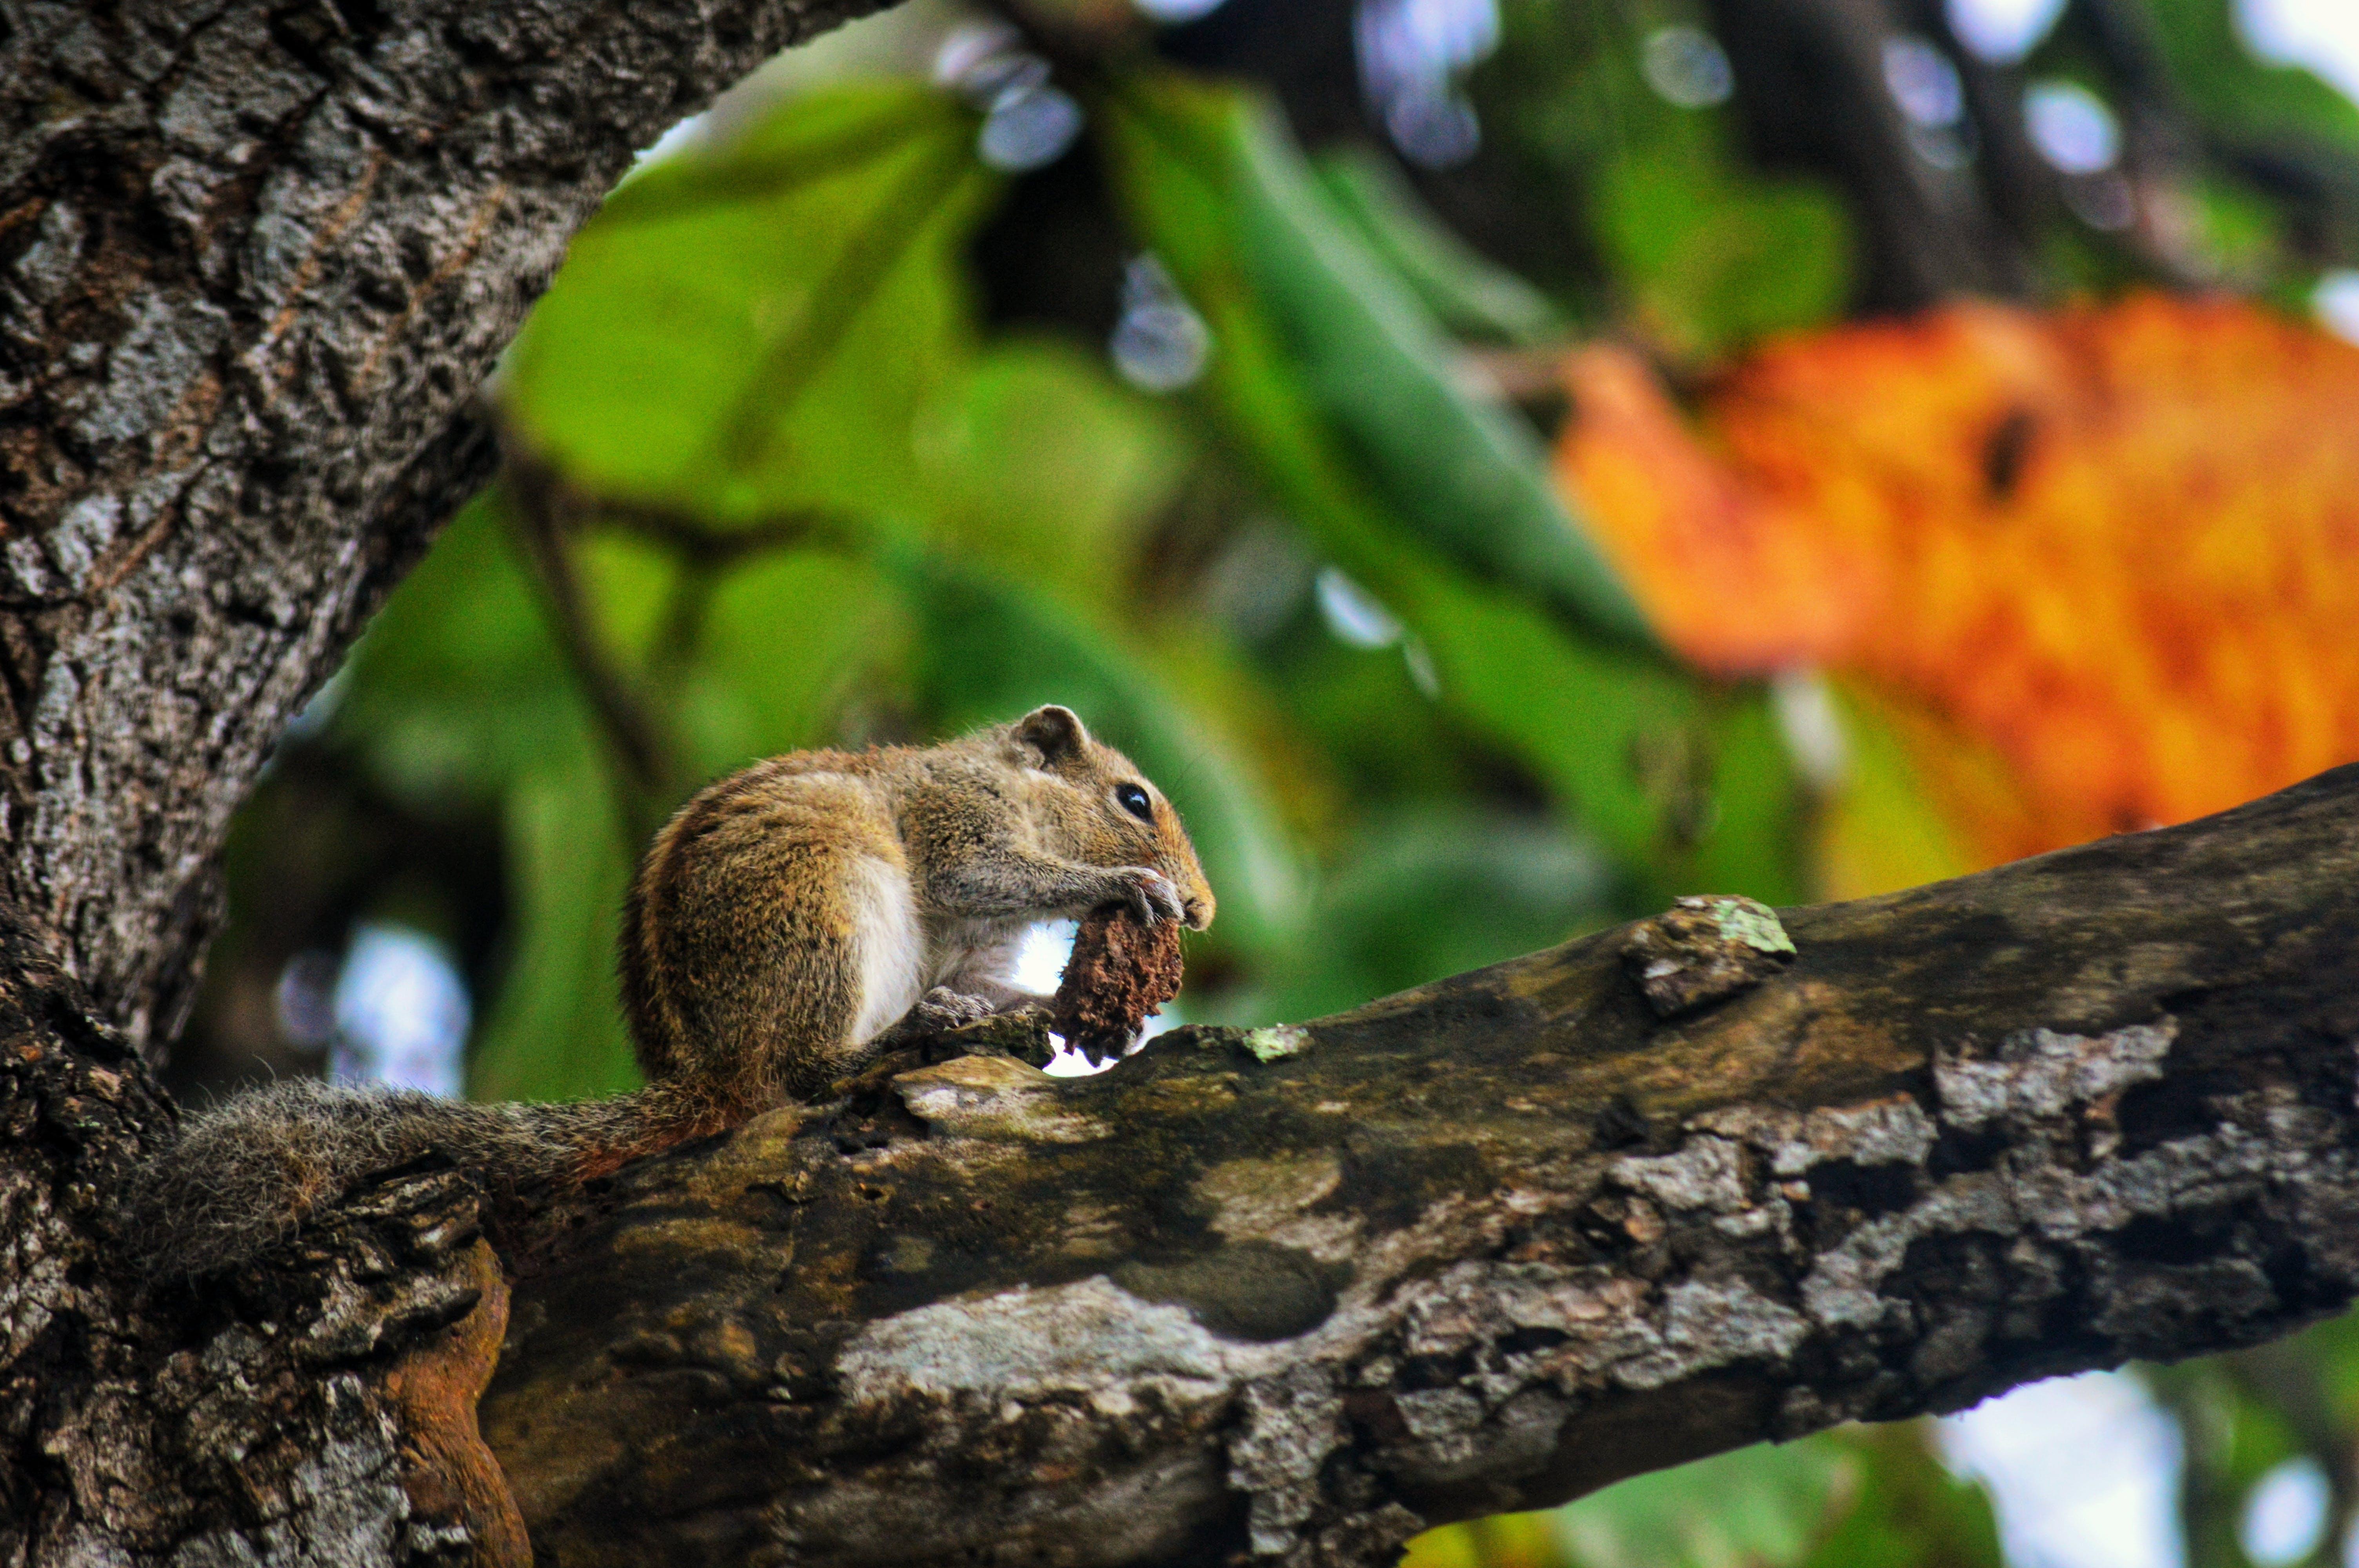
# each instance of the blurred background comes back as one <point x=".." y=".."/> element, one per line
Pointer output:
<point x="1498" y="464"/>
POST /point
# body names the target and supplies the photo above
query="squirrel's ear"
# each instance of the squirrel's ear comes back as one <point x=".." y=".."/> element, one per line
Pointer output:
<point x="1052" y="731"/>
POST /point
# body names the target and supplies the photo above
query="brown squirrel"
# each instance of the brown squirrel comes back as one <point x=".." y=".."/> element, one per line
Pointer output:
<point x="781" y="922"/>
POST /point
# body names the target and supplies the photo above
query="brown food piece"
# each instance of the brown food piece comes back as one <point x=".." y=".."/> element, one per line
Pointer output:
<point x="1121" y="974"/>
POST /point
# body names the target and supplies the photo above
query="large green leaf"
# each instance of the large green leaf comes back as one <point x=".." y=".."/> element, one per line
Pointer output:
<point x="1467" y="475"/>
<point x="738" y="342"/>
<point x="556" y="1032"/>
<point x="1584" y="711"/>
<point x="785" y="639"/>
<point x="1465" y="292"/>
<point x="1043" y="466"/>
<point x="457" y="687"/>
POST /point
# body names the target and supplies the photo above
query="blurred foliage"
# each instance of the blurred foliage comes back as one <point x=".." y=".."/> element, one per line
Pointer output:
<point x="1859" y="1496"/>
<point x="867" y="414"/>
<point x="2107" y="550"/>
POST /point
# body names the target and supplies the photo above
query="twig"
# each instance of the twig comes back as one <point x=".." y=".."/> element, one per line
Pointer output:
<point x="536" y="507"/>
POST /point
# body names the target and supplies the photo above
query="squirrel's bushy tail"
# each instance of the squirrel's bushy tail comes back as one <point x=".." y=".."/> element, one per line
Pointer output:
<point x="245" y="1174"/>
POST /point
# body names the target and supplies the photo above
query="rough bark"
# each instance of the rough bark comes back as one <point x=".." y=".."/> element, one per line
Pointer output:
<point x="258" y="256"/>
<point x="320" y="1412"/>
<point x="255" y="258"/>
<point x="1294" y="1294"/>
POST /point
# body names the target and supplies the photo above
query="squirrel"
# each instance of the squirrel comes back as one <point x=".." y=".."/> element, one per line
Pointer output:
<point x="779" y="923"/>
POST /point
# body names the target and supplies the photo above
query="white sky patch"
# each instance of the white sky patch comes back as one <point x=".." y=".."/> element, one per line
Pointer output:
<point x="1354" y="615"/>
<point x="2337" y="302"/>
<point x="2071" y="127"/>
<point x="2320" y="34"/>
<point x="1039" y="964"/>
<point x="1812" y="725"/>
<point x="401" y="1012"/>
<point x="678" y="137"/>
<point x="2284" y="1514"/>
<point x="1171" y="12"/>
<point x="2084" y="1472"/>
<point x="2003" y="30"/>
<point x="1042" y="957"/>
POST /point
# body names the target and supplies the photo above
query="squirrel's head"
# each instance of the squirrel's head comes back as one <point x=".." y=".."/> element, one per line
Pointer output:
<point x="1095" y="806"/>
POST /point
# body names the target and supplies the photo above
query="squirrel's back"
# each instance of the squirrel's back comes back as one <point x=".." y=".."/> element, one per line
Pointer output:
<point x="770" y="929"/>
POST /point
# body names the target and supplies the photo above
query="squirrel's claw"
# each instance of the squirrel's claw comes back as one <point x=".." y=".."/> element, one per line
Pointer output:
<point x="1150" y="894"/>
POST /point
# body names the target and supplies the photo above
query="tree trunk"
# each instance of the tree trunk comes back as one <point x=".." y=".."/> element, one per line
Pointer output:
<point x="1296" y="1294"/>
<point x="258" y="258"/>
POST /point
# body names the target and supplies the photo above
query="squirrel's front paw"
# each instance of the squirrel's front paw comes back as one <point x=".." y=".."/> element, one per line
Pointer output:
<point x="942" y="1010"/>
<point x="1148" y="893"/>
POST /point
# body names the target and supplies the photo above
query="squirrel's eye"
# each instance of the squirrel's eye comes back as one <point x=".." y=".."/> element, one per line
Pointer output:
<point x="1133" y="800"/>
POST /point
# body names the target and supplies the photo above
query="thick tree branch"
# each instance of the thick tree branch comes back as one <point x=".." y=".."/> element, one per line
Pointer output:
<point x="1296" y="1294"/>
<point x="258" y="258"/>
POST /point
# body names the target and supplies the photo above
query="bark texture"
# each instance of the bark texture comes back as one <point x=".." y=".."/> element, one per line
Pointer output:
<point x="255" y="258"/>
<point x="322" y="1411"/>
<point x="1294" y="1294"/>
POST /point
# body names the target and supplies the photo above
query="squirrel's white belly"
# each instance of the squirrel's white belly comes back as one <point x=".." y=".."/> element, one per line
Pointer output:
<point x="888" y="948"/>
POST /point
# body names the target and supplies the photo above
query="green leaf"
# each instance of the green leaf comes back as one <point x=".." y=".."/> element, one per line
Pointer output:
<point x="1431" y="890"/>
<point x="1905" y="1510"/>
<point x="457" y="687"/>
<point x="556" y="1032"/>
<point x="1045" y="467"/>
<point x="1465" y="292"/>
<point x="1712" y="262"/>
<point x="1585" y="717"/>
<point x="1584" y="712"/>
<point x="1705" y="249"/>
<point x="744" y="347"/>
<point x="1299" y="309"/>
<point x="1762" y="1507"/>
<point x="2243" y="97"/>
<point x="786" y="638"/>
<point x="1468" y="476"/>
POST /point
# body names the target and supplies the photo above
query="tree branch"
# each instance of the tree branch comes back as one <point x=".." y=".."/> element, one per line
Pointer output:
<point x="1299" y="1292"/>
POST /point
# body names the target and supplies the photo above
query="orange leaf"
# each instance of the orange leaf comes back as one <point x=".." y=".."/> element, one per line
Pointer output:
<point x="2119" y="545"/>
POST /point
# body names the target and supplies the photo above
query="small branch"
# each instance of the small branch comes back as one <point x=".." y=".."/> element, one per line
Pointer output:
<point x="713" y="549"/>
<point x="1296" y="1294"/>
<point x="537" y="505"/>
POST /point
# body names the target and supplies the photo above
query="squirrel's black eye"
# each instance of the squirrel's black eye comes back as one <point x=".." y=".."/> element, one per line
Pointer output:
<point x="1133" y="800"/>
